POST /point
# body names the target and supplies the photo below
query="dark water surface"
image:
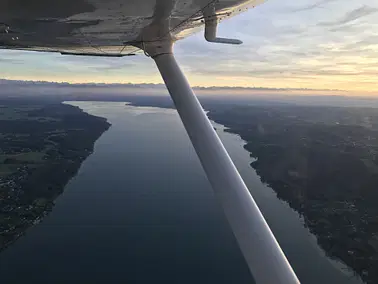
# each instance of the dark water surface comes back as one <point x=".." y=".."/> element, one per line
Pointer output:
<point x="141" y="210"/>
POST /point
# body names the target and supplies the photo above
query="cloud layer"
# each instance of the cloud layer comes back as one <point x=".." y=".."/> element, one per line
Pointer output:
<point x="287" y="44"/>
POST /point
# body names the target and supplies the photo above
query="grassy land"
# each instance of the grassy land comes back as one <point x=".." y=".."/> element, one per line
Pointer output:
<point x="22" y="113"/>
<point x="10" y="163"/>
<point x="6" y="170"/>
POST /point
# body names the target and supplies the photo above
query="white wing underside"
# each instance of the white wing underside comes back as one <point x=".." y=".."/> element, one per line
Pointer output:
<point x="104" y="27"/>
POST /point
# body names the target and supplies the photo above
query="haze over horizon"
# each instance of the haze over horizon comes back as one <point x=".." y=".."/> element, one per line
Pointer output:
<point x="313" y="45"/>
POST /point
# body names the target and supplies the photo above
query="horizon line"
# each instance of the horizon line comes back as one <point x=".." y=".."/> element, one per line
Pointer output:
<point x="160" y="85"/>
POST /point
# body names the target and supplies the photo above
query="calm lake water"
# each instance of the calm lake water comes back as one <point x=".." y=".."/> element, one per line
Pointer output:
<point x="140" y="210"/>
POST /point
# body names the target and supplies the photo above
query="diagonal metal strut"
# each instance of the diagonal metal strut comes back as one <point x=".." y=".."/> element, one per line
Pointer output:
<point x="261" y="251"/>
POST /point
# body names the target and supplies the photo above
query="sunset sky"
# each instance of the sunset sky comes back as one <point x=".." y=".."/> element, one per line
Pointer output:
<point x="326" y="44"/>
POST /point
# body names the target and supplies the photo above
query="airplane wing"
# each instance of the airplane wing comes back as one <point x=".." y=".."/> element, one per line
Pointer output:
<point x="105" y="27"/>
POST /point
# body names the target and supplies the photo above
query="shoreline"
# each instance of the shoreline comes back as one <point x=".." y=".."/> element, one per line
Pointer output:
<point x="28" y="193"/>
<point x="335" y="261"/>
<point x="287" y="194"/>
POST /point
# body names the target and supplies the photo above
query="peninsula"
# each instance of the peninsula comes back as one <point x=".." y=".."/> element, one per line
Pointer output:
<point x="42" y="145"/>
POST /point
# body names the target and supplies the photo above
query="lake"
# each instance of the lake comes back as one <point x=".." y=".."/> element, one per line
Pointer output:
<point x="140" y="210"/>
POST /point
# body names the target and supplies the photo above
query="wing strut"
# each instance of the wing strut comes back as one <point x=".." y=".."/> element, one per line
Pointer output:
<point x="261" y="251"/>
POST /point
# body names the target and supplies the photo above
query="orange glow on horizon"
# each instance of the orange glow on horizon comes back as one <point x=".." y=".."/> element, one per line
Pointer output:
<point x="339" y="85"/>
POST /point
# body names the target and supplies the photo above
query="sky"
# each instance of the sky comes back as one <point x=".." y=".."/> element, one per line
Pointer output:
<point x="314" y="44"/>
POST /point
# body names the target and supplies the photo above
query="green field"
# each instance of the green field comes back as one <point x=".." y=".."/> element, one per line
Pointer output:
<point x="22" y="112"/>
<point x="10" y="163"/>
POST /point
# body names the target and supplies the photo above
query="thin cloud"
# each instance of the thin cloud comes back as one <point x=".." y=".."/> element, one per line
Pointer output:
<point x="114" y="67"/>
<point x="10" y="61"/>
<point x="351" y="16"/>
<point x="319" y="4"/>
